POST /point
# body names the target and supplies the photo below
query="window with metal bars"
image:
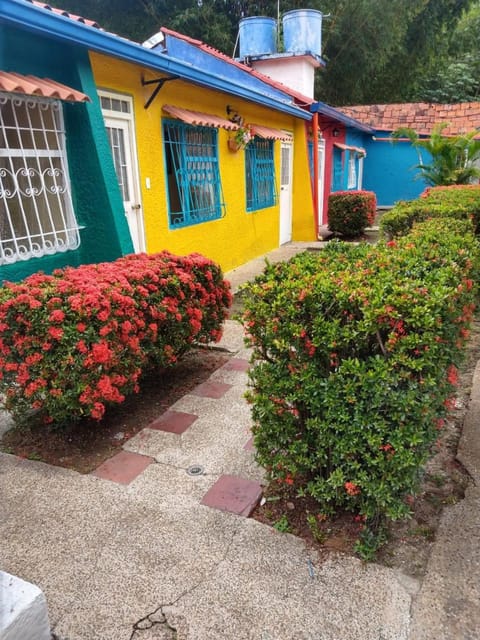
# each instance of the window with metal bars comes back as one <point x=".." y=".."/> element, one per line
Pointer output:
<point x="36" y="212"/>
<point x="260" y="174"/>
<point x="193" y="177"/>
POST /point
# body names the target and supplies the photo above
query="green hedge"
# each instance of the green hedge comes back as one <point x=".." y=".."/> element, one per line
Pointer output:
<point x="74" y="342"/>
<point x="354" y="353"/>
<point x="459" y="202"/>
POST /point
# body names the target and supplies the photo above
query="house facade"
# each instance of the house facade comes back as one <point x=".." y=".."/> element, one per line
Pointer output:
<point x="110" y="147"/>
<point x="390" y="166"/>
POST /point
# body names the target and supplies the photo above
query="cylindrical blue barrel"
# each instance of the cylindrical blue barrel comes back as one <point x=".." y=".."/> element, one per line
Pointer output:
<point x="302" y="31"/>
<point x="258" y="36"/>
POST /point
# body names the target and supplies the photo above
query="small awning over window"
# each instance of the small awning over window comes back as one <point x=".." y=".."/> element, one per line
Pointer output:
<point x="43" y="87"/>
<point x="198" y="118"/>
<point x="346" y="147"/>
<point x="270" y="134"/>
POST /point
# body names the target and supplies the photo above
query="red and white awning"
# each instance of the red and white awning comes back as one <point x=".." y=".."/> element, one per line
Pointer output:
<point x="270" y="134"/>
<point x="198" y="118"/>
<point x="43" y="87"/>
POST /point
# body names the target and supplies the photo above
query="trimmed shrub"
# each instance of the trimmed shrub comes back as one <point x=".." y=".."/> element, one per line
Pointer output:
<point x="401" y="218"/>
<point x="350" y="212"/>
<point x="464" y="196"/>
<point x="458" y="201"/>
<point x="74" y="342"/>
<point x="355" y="352"/>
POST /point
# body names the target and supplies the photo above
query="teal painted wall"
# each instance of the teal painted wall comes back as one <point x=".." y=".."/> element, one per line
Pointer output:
<point x="96" y="196"/>
<point x="388" y="169"/>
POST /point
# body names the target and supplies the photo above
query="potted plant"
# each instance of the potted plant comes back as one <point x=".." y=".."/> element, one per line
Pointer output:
<point x="241" y="138"/>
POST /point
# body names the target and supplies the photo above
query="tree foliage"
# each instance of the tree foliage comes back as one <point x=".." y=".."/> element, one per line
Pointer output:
<point x="375" y="50"/>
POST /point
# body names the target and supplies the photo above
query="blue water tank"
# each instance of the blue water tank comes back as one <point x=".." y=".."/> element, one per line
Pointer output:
<point x="302" y="31"/>
<point x="258" y="36"/>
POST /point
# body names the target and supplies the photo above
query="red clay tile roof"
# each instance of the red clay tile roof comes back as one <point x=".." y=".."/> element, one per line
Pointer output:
<point x="421" y="116"/>
<point x="33" y="86"/>
<point x="61" y="12"/>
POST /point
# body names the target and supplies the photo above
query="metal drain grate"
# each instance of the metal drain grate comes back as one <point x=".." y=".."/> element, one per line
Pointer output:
<point x="196" y="470"/>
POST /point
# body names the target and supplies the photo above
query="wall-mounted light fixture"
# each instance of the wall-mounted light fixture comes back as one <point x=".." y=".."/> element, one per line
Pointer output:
<point x="335" y="132"/>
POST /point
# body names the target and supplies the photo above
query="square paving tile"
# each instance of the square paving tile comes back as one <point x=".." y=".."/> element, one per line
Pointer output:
<point x="173" y="421"/>
<point x="249" y="446"/>
<point x="123" y="468"/>
<point x="215" y="390"/>
<point x="233" y="494"/>
<point x="237" y="364"/>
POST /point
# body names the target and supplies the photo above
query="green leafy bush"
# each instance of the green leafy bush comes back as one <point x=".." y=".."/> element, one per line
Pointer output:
<point x="76" y="341"/>
<point x="350" y="212"/>
<point x="465" y="196"/>
<point x="459" y="201"/>
<point x="354" y="354"/>
<point x="401" y="218"/>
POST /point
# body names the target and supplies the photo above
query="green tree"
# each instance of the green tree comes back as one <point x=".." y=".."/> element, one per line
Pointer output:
<point x="375" y="50"/>
<point x="452" y="159"/>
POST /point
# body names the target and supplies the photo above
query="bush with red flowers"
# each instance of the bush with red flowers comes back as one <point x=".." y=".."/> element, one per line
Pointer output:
<point x="354" y="361"/>
<point x="76" y="341"/>
<point x="350" y="212"/>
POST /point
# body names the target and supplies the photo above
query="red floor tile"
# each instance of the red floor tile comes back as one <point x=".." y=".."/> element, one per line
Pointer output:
<point x="249" y="446"/>
<point x="236" y="364"/>
<point x="173" y="422"/>
<point x="211" y="390"/>
<point x="123" y="468"/>
<point x="233" y="494"/>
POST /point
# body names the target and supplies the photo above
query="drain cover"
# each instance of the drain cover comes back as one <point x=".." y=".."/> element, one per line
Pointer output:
<point x="196" y="470"/>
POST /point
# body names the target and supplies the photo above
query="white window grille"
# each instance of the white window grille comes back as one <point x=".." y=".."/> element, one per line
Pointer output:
<point x="352" y="171"/>
<point x="36" y="212"/>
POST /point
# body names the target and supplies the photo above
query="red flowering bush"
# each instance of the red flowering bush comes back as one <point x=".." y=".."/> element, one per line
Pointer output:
<point x="73" y="342"/>
<point x="350" y="212"/>
<point x="355" y="351"/>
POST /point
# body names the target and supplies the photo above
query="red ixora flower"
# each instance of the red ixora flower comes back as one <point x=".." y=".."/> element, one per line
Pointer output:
<point x="352" y="489"/>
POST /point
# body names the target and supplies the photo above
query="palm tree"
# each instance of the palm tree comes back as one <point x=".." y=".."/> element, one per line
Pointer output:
<point x="454" y="159"/>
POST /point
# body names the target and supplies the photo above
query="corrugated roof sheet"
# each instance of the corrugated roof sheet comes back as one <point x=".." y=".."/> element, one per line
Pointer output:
<point x="198" y="118"/>
<point x="270" y="134"/>
<point x="302" y="99"/>
<point x="44" y="87"/>
<point x="421" y="116"/>
<point x="61" y="12"/>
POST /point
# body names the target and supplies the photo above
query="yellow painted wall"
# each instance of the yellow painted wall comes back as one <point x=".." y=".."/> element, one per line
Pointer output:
<point x="239" y="236"/>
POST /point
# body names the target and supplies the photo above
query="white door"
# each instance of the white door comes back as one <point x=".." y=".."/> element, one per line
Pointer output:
<point x="117" y="114"/>
<point x="321" y="180"/>
<point x="286" y="166"/>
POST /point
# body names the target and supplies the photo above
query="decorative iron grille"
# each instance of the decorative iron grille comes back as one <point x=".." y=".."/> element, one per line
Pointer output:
<point x="193" y="177"/>
<point x="260" y="174"/>
<point x="36" y="212"/>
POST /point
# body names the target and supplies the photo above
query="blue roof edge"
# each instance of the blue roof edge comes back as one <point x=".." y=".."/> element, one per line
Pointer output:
<point x="331" y="112"/>
<point x="37" y="20"/>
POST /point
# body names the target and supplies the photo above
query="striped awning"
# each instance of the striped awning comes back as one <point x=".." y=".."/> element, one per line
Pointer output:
<point x="270" y="134"/>
<point x="198" y="118"/>
<point x="43" y="87"/>
<point x="346" y="147"/>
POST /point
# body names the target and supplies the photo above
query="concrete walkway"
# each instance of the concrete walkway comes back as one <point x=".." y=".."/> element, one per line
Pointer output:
<point x="161" y="554"/>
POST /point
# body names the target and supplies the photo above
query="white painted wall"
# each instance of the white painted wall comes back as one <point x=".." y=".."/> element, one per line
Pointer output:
<point x="296" y="72"/>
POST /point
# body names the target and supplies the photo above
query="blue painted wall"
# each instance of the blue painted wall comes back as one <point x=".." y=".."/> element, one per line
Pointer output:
<point x="96" y="196"/>
<point x="388" y="169"/>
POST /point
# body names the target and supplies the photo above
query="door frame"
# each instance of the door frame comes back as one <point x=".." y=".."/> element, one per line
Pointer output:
<point x="285" y="215"/>
<point x="127" y="117"/>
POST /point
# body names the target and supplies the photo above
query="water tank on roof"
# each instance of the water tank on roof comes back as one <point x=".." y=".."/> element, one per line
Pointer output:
<point x="258" y="36"/>
<point x="302" y="31"/>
